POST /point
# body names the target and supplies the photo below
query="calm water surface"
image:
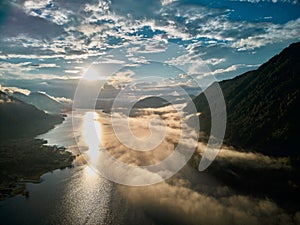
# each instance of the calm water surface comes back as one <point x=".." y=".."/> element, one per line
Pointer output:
<point x="69" y="196"/>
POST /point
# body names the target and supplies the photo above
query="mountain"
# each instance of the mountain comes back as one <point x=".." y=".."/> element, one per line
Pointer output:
<point x="22" y="120"/>
<point x="151" y="102"/>
<point x="263" y="106"/>
<point x="41" y="101"/>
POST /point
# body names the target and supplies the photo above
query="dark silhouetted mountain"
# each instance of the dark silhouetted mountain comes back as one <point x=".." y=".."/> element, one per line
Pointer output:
<point x="22" y="120"/>
<point x="41" y="101"/>
<point x="151" y="102"/>
<point x="263" y="106"/>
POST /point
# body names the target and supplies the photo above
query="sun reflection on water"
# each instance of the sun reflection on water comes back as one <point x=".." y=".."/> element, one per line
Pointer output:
<point x="85" y="196"/>
<point x="91" y="133"/>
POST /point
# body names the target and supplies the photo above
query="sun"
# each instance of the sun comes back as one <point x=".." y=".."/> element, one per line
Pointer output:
<point x="92" y="74"/>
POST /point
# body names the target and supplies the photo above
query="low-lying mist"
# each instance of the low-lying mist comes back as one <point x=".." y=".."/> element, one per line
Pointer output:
<point x="191" y="197"/>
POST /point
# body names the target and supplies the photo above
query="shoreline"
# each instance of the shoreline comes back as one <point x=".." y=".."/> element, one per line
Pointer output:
<point x="29" y="152"/>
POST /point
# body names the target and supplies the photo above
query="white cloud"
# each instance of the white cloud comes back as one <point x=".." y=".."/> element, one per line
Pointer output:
<point x="195" y="65"/>
<point x="122" y="77"/>
<point x="138" y="60"/>
<point x="47" y="10"/>
<point x="167" y="2"/>
<point x="229" y="69"/>
<point x="109" y="60"/>
<point x="30" y="56"/>
<point x="272" y="1"/>
<point x="198" y="67"/>
<point x="72" y="71"/>
<point x="147" y="47"/>
<point x="103" y="25"/>
<point x="273" y="33"/>
<point x="15" y="89"/>
<point x="47" y="65"/>
<point x="98" y="9"/>
<point x="23" y="70"/>
<point x="252" y="160"/>
<point x="36" y="4"/>
<point x="58" y="99"/>
<point x="63" y="100"/>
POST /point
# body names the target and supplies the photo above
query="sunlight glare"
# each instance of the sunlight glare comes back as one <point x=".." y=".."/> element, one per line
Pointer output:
<point x="92" y="135"/>
<point x="92" y="74"/>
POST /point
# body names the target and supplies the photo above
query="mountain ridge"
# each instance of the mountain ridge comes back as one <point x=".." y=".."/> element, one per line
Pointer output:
<point x="41" y="101"/>
<point x="262" y="106"/>
<point x="21" y="120"/>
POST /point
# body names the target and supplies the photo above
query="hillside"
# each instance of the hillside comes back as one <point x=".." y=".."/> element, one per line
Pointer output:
<point x="41" y="101"/>
<point x="262" y="106"/>
<point x="21" y="120"/>
<point x="151" y="102"/>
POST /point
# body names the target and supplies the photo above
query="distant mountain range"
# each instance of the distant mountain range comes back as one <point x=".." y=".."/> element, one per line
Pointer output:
<point x="21" y="120"/>
<point x="263" y="106"/>
<point x="41" y="101"/>
<point x="151" y="102"/>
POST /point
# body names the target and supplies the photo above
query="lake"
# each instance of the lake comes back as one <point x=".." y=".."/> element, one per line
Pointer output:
<point x="79" y="195"/>
<point x="70" y="196"/>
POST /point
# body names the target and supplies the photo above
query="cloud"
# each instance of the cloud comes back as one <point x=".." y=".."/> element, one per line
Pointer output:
<point x="271" y="1"/>
<point x="251" y="160"/>
<point x="121" y="77"/>
<point x="110" y="59"/>
<point x="30" y="56"/>
<point x="63" y="100"/>
<point x="194" y="65"/>
<point x="26" y="71"/>
<point x="167" y="2"/>
<point x="46" y="65"/>
<point x="72" y="71"/>
<point x="192" y="58"/>
<point x="207" y="67"/>
<point x="100" y="26"/>
<point x="190" y="197"/>
<point x="47" y="10"/>
<point x="58" y="99"/>
<point x="274" y="33"/>
<point x="16" y="89"/>
<point x="179" y="204"/>
<point x="27" y="92"/>
<point x="147" y="47"/>
<point x="230" y="69"/>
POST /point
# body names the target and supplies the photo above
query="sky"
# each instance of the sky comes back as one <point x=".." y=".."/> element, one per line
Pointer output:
<point x="48" y="45"/>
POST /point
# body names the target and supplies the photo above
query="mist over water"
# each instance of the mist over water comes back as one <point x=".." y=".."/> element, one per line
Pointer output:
<point x="81" y="196"/>
<point x="191" y="197"/>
